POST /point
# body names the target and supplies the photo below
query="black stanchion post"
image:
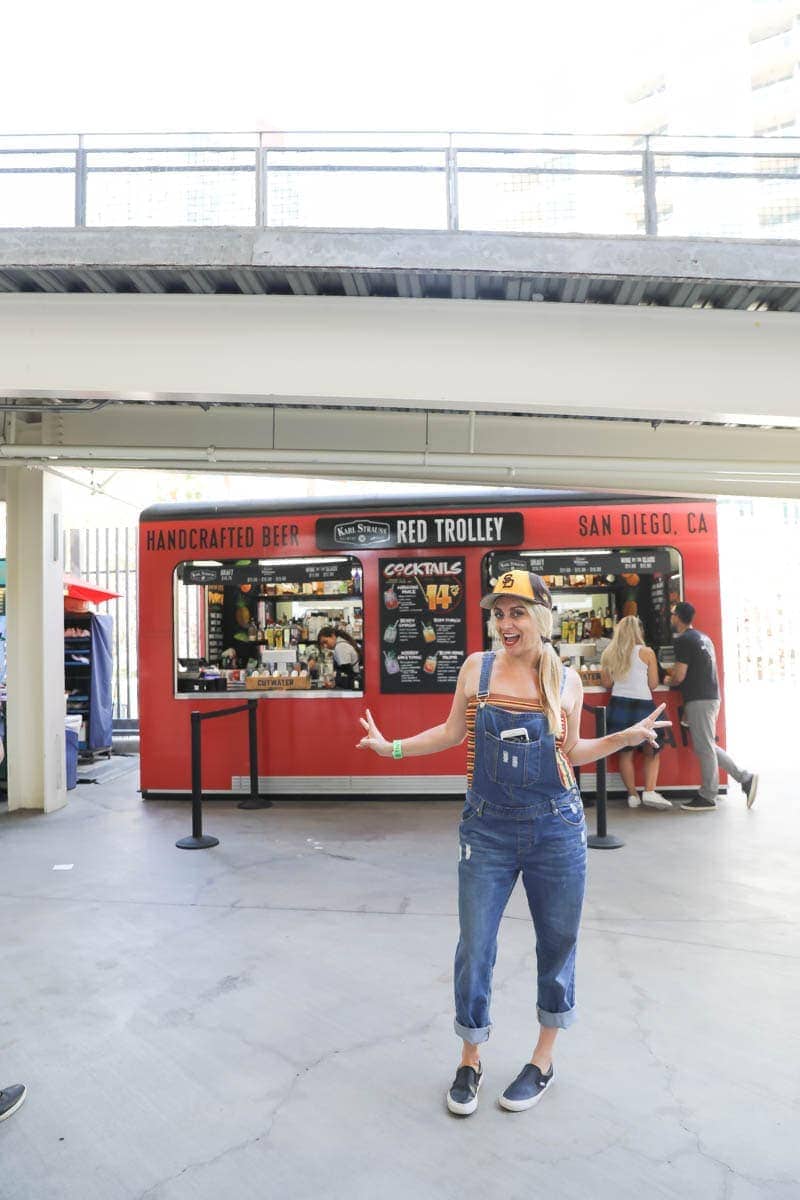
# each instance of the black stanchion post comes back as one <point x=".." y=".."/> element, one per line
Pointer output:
<point x="198" y="841"/>
<point x="602" y="782"/>
<point x="602" y="839"/>
<point x="253" y="800"/>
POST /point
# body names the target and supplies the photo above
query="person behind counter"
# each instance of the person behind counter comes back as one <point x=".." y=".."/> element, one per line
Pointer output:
<point x="519" y="709"/>
<point x="630" y="669"/>
<point x="346" y="655"/>
<point x="243" y="636"/>
<point x="695" y="673"/>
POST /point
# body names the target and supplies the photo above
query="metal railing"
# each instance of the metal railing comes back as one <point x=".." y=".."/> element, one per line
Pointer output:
<point x="656" y="185"/>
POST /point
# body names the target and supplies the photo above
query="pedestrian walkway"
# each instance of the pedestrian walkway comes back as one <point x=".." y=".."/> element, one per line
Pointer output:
<point x="272" y="1018"/>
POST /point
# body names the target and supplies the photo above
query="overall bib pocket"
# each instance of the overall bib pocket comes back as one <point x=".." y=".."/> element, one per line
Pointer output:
<point x="513" y="764"/>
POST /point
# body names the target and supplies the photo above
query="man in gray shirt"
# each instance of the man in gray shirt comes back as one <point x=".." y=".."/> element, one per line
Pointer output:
<point x="695" y="673"/>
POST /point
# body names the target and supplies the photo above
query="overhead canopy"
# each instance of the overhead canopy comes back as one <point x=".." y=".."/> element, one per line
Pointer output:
<point x="81" y="589"/>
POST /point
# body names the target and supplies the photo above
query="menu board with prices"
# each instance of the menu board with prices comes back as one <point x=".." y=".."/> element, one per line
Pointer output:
<point x="215" y="632"/>
<point x="422" y="623"/>
<point x="566" y="567"/>
<point x="659" y="599"/>
<point x="336" y="576"/>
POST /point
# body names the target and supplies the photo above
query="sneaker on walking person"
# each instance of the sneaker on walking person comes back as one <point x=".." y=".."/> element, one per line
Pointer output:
<point x="462" y="1099"/>
<point x="527" y="1089"/>
<point x="749" y="786"/>
<point x="699" y="803"/>
<point x="11" y="1098"/>
<point x="655" y="800"/>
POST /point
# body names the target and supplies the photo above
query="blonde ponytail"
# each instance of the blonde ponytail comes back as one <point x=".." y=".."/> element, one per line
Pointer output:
<point x="618" y="654"/>
<point x="550" y="668"/>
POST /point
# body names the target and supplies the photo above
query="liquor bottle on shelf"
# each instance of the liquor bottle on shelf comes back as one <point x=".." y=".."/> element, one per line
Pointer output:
<point x="608" y="623"/>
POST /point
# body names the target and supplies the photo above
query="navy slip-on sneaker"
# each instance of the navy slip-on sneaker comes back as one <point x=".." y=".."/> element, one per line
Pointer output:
<point x="462" y="1099"/>
<point x="10" y="1099"/>
<point x="527" y="1089"/>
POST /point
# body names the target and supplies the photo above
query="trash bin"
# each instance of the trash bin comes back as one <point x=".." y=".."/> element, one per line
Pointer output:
<point x="71" y="740"/>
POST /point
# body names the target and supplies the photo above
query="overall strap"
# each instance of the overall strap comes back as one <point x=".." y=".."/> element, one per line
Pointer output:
<point x="487" y="663"/>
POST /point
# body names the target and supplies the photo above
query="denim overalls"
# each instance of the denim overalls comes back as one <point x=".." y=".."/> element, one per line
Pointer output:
<point x="518" y="818"/>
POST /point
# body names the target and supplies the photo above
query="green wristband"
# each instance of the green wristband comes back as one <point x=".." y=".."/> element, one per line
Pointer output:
<point x="397" y="748"/>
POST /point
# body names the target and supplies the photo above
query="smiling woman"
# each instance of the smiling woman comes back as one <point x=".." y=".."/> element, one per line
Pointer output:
<point x="519" y="709"/>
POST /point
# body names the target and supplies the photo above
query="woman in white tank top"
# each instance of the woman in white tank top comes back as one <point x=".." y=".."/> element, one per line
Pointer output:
<point x="630" y="669"/>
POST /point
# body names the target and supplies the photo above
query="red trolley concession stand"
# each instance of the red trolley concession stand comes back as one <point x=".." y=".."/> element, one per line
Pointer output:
<point x="233" y="598"/>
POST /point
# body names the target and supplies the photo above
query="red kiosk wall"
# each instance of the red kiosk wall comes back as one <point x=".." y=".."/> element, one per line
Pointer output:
<point x="316" y="736"/>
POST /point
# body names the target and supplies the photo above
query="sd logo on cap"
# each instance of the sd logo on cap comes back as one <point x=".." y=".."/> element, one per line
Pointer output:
<point x="522" y="585"/>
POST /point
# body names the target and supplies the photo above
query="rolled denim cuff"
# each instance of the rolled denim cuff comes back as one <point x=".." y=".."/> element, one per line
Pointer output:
<point x="475" y="1036"/>
<point x="556" y="1020"/>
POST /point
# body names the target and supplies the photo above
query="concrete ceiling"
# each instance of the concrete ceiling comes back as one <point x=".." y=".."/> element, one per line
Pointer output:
<point x="648" y="366"/>
<point x="669" y="272"/>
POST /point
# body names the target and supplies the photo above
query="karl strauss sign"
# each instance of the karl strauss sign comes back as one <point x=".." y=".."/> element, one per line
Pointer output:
<point x="452" y="529"/>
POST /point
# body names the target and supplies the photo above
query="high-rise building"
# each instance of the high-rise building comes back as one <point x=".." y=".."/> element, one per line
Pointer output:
<point x="731" y="71"/>
<point x="775" y="82"/>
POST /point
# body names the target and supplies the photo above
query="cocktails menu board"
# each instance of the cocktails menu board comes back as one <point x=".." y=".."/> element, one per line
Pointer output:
<point x="423" y="623"/>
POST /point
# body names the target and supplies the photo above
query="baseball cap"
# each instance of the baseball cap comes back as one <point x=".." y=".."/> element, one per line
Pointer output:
<point x="522" y="585"/>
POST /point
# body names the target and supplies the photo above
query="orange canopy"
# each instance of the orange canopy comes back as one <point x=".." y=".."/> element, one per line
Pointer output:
<point x="81" y="589"/>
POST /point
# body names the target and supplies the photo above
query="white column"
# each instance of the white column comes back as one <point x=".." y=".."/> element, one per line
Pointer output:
<point x="35" y="641"/>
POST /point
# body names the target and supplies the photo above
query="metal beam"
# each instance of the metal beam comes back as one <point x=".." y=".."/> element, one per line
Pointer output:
<point x="590" y="360"/>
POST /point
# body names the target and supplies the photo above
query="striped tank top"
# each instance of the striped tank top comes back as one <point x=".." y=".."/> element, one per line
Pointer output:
<point x="515" y="705"/>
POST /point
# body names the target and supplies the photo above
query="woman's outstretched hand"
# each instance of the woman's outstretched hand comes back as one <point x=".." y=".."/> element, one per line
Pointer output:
<point x="645" y="731"/>
<point x="374" y="739"/>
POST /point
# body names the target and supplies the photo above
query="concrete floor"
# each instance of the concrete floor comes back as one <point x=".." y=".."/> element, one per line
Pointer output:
<point x="272" y="1018"/>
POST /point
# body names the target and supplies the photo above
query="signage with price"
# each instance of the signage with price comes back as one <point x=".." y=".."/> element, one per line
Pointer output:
<point x="423" y="633"/>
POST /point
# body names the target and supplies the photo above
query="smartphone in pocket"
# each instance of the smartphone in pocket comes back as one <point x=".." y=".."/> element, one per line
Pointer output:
<point x="518" y="734"/>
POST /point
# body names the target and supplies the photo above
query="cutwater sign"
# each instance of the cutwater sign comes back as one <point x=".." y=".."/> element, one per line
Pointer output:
<point x="450" y="529"/>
